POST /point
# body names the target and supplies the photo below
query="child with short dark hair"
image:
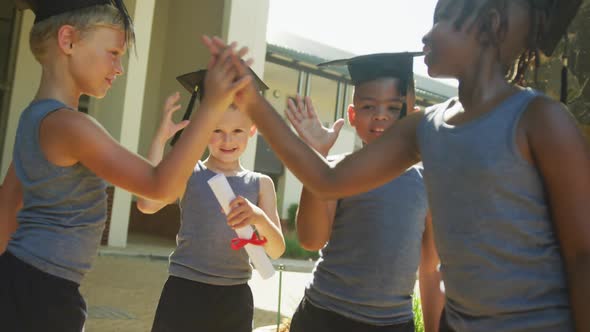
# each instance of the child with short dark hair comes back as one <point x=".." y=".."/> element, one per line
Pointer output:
<point x="368" y="287"/>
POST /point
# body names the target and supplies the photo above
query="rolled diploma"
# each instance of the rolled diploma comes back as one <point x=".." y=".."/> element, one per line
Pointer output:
<point x="225" y="195"/>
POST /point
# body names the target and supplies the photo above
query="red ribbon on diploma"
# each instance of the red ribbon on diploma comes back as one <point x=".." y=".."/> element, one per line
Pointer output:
<point x="237" y="243"/>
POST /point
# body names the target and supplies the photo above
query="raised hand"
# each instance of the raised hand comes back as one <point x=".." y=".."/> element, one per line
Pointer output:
<point x="249" y="93"/>
<point x="167" y="127"/>
<point x="223" y="80"/>
<point x="304" y="119"/>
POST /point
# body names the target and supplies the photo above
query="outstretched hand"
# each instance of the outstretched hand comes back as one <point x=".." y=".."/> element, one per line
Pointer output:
<point x="304" y="119"/>
<point x="249" y="92"/>
<point x="168" y="127"/>
<point x="223" y="79"/>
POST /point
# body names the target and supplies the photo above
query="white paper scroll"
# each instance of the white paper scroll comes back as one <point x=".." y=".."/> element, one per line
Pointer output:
<point x="225" y="195"/>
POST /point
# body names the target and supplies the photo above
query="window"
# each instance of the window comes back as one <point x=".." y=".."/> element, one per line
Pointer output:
<point x="323" y="92"/>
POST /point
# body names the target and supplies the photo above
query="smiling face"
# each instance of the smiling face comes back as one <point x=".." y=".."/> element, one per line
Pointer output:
<point x="377" y="105"/>
<point x="230" y="138"/>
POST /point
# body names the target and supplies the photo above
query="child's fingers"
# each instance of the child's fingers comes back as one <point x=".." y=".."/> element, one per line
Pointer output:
<point x="291" y="117"/>
<point x="236" y="202"/>
<point x="225" y="55"/>
<point x="309" y="109"/>
<point x="209" y="44"/>
<point x="296" y="112"/>
<point x="242" y="52"/>
<point x="233" y="213"/>
<point x="181" y="125"/>
<point x="291" y="111"/>
<point x="249" y="62"/>
<point x="237" y="218"/>
<point x="300" y="104"/>
<point x="174" y="108"/>
<point x="240" y="221"/>
<point x="173" y="98"/>
<point x="240" y="84"/>
<point x="219" y="43"/>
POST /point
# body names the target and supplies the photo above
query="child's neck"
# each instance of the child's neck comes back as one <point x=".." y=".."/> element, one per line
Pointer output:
<point x="482" y="89"/>
<point x="55" y="84"/>
<point x="226" y="168"/>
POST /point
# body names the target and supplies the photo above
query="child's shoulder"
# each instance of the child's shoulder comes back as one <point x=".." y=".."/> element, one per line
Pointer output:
<point x="544" y="113"/>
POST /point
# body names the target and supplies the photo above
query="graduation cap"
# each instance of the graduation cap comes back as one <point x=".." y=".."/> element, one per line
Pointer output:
<point x="370" y="67"/>
<point x="560" y="13"/>
<point x="194" y="83"/>
<point x="45" y="9"/>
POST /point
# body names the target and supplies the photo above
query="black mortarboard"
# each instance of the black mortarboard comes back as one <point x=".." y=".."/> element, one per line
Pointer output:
<point x="560" y="13"/>
<point x="370" y="67"/>
<point x="45" y="9"/>
<point x="194" y="84"/>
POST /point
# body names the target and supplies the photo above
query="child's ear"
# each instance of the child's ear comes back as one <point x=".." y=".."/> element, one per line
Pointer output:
<point x="351" y="114"/>
<point x="253" y="130"/>
<point x="67" y="35"/>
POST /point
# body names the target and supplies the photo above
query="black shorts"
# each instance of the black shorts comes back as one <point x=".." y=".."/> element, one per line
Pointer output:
<point x="34" y="301"/>
<point x="444" y="325"/>
<point x="308" y="318"/>
<point x="187" y="306"/>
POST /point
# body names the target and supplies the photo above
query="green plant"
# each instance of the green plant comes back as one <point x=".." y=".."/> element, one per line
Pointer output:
<point x="294" y="250"/>
<point x="417" y="307"/>
<point x="292" y="215"/>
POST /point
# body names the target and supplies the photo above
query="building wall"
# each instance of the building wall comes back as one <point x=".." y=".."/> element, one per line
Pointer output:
<point x="26" y="80"/>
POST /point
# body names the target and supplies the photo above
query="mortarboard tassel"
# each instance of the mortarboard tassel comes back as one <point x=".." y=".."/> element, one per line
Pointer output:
<point x="564" y="70"/>
<point x="186" y="116"/>
<point x="563" y="97"/>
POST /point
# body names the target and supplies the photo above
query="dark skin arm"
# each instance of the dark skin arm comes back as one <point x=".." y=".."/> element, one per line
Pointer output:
<point x="386" y="158"/>
<point x="432" y="298"/>
<point x="11" y="200"/>
<point x="558" y="149"/>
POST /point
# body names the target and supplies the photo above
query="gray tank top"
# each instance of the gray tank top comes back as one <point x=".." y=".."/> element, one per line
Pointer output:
<point x="501" y="260"/>
<point x="203" y="251"/>
<point x="64" y="208"/>
<point x="367" y="270"/>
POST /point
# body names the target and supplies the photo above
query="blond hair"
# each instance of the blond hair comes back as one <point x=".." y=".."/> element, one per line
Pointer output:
<point x="84" y="20"/>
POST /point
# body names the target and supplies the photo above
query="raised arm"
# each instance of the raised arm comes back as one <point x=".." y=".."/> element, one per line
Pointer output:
<point x="70" y="137"/>
<point x="314" y="216"/>
<point x="431" y="295"/>
<point x="375" y="165"/>
<point x="11" y="200"/>
<point x="165" y="131"/>
<point x="562" y="155"/>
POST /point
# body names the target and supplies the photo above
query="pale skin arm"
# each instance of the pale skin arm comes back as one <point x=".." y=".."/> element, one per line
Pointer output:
<point x="165" y="131"/>
<point x="432" y="298"/>
<point x="263" y="217"/>
<point x="314" y="216"/>
<point x="70" y="137"/>
<point x="378" y="163"/>
<point x="11" y="200"/>
<point x="562" y="155"/>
